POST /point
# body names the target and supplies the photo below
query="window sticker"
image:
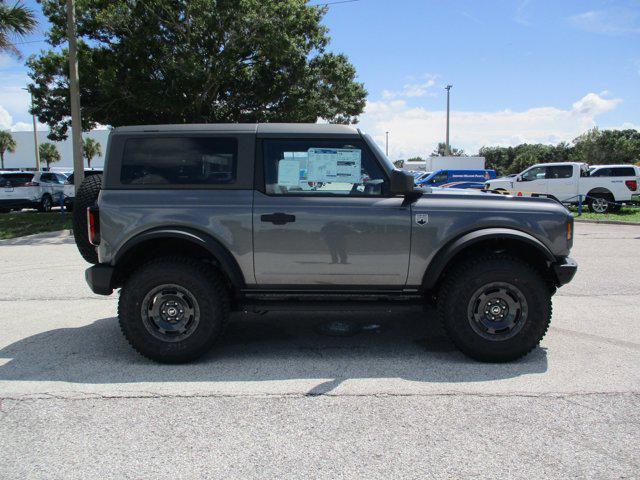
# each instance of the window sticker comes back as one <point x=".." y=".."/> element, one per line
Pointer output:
<point x="288" y="173"/>
<point x="334" y="165"/>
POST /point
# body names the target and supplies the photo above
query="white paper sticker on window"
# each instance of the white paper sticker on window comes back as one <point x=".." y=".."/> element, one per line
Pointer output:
<point x="334" y="165"/>
<point x="288" y="173"/>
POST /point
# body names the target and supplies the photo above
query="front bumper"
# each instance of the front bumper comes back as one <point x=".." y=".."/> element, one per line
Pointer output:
<point x="99" y="278"/>
<point x="565" y="269"/>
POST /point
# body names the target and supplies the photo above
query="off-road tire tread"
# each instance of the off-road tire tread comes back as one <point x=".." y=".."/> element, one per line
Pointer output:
<point x="163" y="264"/>
<point x="86" y="196"/>
<point x="457" y="275"/>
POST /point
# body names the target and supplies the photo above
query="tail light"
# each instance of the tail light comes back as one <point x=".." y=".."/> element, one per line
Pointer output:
<point x="631" y="185"/>
<point x="93" y="225"/>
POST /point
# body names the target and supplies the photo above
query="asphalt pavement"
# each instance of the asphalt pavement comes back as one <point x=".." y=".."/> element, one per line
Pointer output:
<point x="277" y="398"/>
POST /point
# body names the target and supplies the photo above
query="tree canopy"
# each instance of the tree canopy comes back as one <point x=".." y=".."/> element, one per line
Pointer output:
<point x="593" y="147"/>
<point x="16" y="21"/>
<point x="441" y="151"/>
<point x="48" y="153"/>
<point x="7" y="144"/>
<point x="186" y="61"/>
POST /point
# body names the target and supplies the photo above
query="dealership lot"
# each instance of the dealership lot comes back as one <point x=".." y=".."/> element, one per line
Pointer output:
<point x="278" y="398"/>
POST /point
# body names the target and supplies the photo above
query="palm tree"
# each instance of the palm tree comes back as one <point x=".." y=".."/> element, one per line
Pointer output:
<point x="15" y="21"/>
<point x="7" y="144"/>
<point x="48" y="153"/>
<point x="91" y="148"/>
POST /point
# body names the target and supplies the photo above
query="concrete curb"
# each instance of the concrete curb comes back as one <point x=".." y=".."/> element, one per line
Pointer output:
<point x="606" y="222"/>
<point x="54" y="236"/>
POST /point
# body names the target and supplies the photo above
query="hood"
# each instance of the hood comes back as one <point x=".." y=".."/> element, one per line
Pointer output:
<point x="477" y="195"/>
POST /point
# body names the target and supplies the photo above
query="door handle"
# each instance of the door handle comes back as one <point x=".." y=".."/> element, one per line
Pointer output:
<point x="278" y="218"/>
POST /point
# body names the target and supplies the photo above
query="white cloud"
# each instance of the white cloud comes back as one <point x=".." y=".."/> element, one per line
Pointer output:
<point x="6" y="123"/>
<point x="5" y="119"/>
<point x="23" y="127"/>
<point x="417" y="131"/>
<point x="614" y="21"/>
<point x="414" y="89"/>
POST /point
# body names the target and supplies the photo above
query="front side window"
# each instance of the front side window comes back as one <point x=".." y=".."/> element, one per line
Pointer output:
<point x="179" y="161"/>
<point x="439" y="178"/>
<point x="320" y="167"/>
<point x="536" y="173"/>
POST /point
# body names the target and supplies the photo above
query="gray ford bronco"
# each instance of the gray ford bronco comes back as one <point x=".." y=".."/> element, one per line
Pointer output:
<point x="192" y="222"/>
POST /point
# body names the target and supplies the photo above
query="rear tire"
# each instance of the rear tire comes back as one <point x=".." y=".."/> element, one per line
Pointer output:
<point x="86" y="196"/>
<point x="172" y="310"/>
<point x="496" y="308"/>
<point x="600" y="203"/>
<point x="45" y="204"/>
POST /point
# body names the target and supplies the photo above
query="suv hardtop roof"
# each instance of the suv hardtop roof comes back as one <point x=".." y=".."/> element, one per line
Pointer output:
<point x="258" y="128"/>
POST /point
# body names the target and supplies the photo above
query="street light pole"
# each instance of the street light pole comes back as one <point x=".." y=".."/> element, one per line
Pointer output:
<point x="35" y="133"/>
<point x="74" y="93"/>
<point x="386" y="148"/>
<point x="447" y="148"/>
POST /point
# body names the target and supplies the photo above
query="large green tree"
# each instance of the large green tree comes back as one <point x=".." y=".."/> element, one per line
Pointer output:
<point x="607" y="146"/>
<point x="48" y="153"/>
<point x="91" y="148"/>
<point x="184" y="61"/>
<point x="16" y="21"/>
<point x="7" y="144"/>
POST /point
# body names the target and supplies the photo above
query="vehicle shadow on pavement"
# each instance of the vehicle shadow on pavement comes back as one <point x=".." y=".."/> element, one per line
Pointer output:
<point x="275" y="346"/>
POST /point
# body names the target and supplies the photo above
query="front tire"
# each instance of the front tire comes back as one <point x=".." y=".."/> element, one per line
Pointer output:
<point x="172" y="310"/>
<point x="496" y="308"/>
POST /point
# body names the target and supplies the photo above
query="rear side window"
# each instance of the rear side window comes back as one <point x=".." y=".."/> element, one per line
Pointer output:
<point x="179" y="161"/>
<point x="623" y="172"/>
<point x="559" y="171"/>
<point x="16" y="179"/>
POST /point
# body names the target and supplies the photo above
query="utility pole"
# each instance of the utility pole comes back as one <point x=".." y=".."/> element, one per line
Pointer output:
<point x="447" y="148"/>
<point x="74" y="93"/>
<point x="386" y="148"/>
<point x="35" y="133"/>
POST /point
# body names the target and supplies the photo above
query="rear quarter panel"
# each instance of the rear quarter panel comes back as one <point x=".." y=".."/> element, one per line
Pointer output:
<point x="224" y="215"/>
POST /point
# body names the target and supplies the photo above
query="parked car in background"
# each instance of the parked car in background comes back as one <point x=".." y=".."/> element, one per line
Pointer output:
<point x="22" y="189"/>
<point x="69" y="188"/>
<point x="571" y="181"/>
<point x="457" y="179"/>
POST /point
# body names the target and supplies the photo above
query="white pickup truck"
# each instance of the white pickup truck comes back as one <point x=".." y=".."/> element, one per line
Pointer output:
<point x="570" y="181"/>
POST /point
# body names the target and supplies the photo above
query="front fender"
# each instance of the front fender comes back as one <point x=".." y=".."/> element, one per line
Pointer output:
<point x="449" y="251"/>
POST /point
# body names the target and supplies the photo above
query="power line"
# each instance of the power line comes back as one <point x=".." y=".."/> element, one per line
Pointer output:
<point x="24" y="43"/>
<point x="333" y="3"/>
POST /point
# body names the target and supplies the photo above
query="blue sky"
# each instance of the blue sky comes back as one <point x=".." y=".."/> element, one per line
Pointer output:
<point x="525" y="70"/>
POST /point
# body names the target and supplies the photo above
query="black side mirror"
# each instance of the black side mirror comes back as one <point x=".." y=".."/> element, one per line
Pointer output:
<point x="402" y="183"/>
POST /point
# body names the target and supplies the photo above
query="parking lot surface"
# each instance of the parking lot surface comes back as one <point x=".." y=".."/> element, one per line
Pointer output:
<point x="278" y="398"/>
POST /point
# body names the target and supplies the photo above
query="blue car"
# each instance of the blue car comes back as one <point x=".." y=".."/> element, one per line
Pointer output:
<point x="457" y="178"/>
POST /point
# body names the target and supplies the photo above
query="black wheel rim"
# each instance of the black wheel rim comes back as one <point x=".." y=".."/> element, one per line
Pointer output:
<point x="170" y="313"/>
<point x="497" y="311"/>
